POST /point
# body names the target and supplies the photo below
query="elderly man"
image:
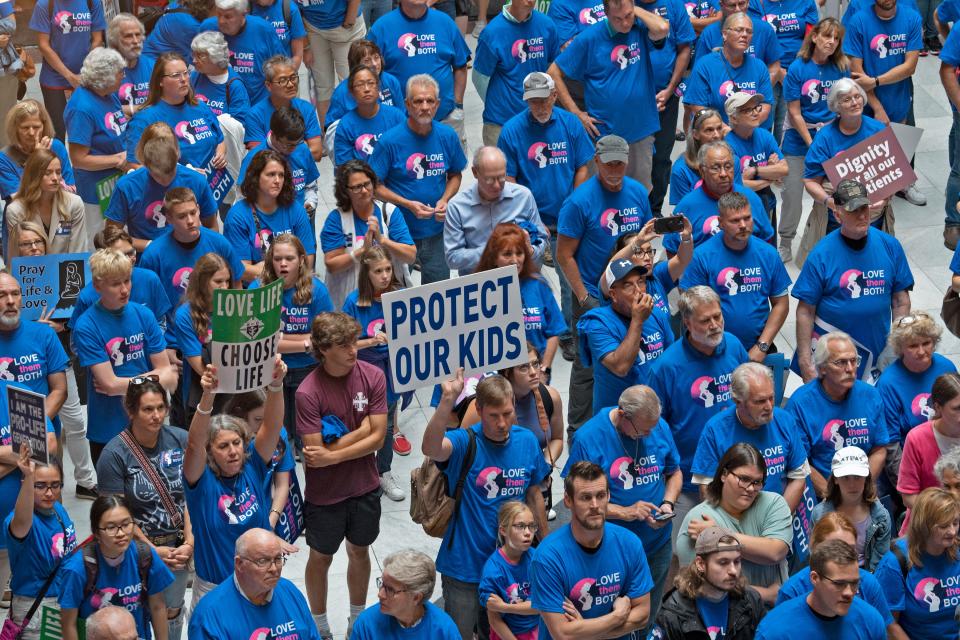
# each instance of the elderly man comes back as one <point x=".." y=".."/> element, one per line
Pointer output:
<point x="255" y="602"/>
<point x="282" y="83"/>
<point x="612" y="60"/>
<point x="472" y="214"/>
<point x="252" y="42"/>
<point x="602" y="208"/>
<point x="632" y="443"/>
<point x="506" y="463"/>
<point x="692" y="380"/>
<point x="746" y="273"/>
<point x="852" y="281"/>
<point x="754" y="419"/>
<point x="764" y="45"/>
<point x="702" y="206"/>
<point x="418" y="186"/>
<point x="111" y="623"/>
<point x="835" y="410"/>
<point x="125" y="35"/>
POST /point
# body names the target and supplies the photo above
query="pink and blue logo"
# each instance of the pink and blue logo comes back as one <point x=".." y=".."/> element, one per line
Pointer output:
<point x="583" y="593"/>
<point x="711" y="226"/>
<point x="415" y="166"/>
<point x="181" y="279"/>
<point x="852" y="282"/>
<point x="727" y="89"/>
<point x="921" y="406"/>
<point x="489" y="482"/>
<point x="880" y="44"/>
<point x="618" y="56"/>
<point x="812" y="90"/>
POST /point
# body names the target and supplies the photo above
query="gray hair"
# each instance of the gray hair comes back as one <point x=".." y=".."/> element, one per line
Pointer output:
<point x="641" y="401"/>
<point x="100" y="69"/>
<point x="742" y="377"/>
<point x="822" y="352"/>
<point x="227" y="5"/>
<point x="921" y="326"/>
<point x="694" y="298"/>
<point x="840" y="88"/>
<point x="113" y="29"/>
<point x="733" y="17"/>
<point x="950" y="461"/>
<point x="732" y="201"/>
<point x="213" y="45"/>
<point x="720" y="145"/>
<point x="223" y="422"/>
<point x="270" y="66"/>
<point x="487" y="153"/>
<point x="422" y="80"/>
<point x="414" y="570"/>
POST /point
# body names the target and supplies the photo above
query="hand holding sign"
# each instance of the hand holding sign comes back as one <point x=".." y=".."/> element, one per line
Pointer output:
<point x="26" y="465"/>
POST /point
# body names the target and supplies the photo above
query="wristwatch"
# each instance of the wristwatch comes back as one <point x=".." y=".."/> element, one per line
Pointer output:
<point x="763" y="346"/>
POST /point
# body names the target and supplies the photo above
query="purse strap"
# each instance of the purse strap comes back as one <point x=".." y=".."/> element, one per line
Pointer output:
<point x="50" y="578"/>
<point x="159" y="484"/>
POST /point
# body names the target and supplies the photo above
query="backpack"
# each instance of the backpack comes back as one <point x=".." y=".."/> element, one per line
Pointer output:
<point x="431" y="505"/>
<point x="92" y="568"/>
<point x="230" y="81"/>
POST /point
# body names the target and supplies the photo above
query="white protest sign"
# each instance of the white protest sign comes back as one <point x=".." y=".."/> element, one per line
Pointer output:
<point x="474" y="322"/>
<point x="246" y="334"/>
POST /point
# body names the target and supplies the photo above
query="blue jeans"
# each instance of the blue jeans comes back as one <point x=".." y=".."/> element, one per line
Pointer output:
<point x="926" y="9"/>
<point x="566" y="295"/>
<point x="659" y="563"/>
<point x="373" y="9"/>
<point x="173" y="598"/>
<point x="953" y="181"/>
<point x="433" y="262"/>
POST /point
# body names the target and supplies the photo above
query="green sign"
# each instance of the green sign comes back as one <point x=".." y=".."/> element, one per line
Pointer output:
<point x="51" y="628"/>
<point x="105" y="190"/>
<point x="246" y="333"/>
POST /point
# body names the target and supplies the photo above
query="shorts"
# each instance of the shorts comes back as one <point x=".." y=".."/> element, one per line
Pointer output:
<point x="356" y="519"/>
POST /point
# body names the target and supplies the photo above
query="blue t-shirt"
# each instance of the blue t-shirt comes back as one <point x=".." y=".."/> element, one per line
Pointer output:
<point x="145" y="289"/>
<point x="250" y="237"/>
<point x="195" y="126"/>
<point x="258" y="119"/>
<point x="809" y="83"/>
<point x="853" y="290"/>
<point x="692" y="388"/>
<point x="883" y="45"/>
<point x="33" y="558"/>
<point x="597" y="217"/>
<point x="601" y="331"/>
<point x="795" y="619"/>
<point x="778" y="441"/>
<point x="96" y="122"/>
<point x="30" y="353"/>
<point x="371" y="322"/>
<point x="499" y="473"/>
<point x="137" y="200"/>
<point x="764" y="46"/>
<point x="273" y="14"/>
<point x="659" y="284"/>
<point x="714" y="616"/>
<point x="714" y="79"/>
<point x="744" y="280"/>
<point x="631" y="477"/>
<point x="256" y="43"/>
<point x="906" y="395"/>
<point x="324" y="14"/>
<point x="830" y="141"/>
<point x="173" y="262"/>
<point x="430" y="44"/>
<point x="126" y="339"/>
<point x="230" y="97"/>
<point x="416" y="167"/>
<point x="948" y="11"/>
<point x="357" y="137"/>
<point x="332" y="235"/>
<point x="755" y="151"/>
<point x="542" y="317"/>
<point x="374" y="625"/>
<point x="174" y="31"/>
<point x="827" y="426"/>
<point x="296" y="319"/>
<point x="663" y="59"/>
<point x="799" y="585"/>
<point x="117" y="586"/>
<point x="285" y="616"/>
<point x="391" y="94"/>
<point x="511" y="583"/>
<point x="927" y="598"/>
<point x="183" y="334"/>
<point x="702" y="211"/>
<point x="790" y="20"/>
<point x="545" y="157"/>
<point x="136" y="82"/>
<point x="302" y="167"/>
<point x="70" y="24"/>
<point x="11" y="171"/>
<point x="223" y="509"/>
<point x="950" y="54"/>
<point x="573" y="16"/>
<point x="615" y="70"/>
<point x="856" y="6"/>
<point x="592" y="581"/>
<point x="506" y="52"/>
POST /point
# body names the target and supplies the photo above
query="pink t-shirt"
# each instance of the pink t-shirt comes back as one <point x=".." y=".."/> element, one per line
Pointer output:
<point x="920" y="453"/>
<point x="361" y="393"/>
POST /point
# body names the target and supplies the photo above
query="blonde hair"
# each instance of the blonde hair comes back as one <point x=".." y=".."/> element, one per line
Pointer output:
<point x="110" y="263"/>
<point x="921" y="326"/>
<point x="934" y="506"/>
<point x="158" y="148"/>
<point x="303" y="292"/>
<point x="28" y="108"/>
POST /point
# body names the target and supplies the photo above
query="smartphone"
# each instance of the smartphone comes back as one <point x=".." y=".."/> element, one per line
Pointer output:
<point x="663" y="516"/>
<point x="668" y="224"/>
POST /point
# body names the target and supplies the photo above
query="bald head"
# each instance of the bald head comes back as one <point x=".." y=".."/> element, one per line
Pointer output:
<point x="257" y="540"/>
<point x="490" y="170"/>
<point x="111" y="623"/>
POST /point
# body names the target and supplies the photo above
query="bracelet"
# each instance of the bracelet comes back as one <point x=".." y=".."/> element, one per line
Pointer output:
<point x="276" y="511"/>
<point x="275" y="388"/>
<point x="877" y="80"/>
<point x="204" y="412"/>
<point x="458" y="105"/>
<point x="669" y="502"/>
<point x="306" y="346"/>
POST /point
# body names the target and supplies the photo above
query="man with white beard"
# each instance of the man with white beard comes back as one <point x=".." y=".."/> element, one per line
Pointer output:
<point x="125" y="35"/>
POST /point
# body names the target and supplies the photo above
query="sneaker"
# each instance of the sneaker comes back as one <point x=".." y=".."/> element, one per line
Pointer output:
<point x="913" y="196"/>
<point x="551" y="515"/>
<point x="786" y="253"/>
<point x="933" y="43"/>
<point x="548" y="257"/>
<point x="568" y="349"/>
<point x="401" y="446"/>
<point x="390" y="487"/>
<point x="478" y="29"/>
<point x="680" y="136"/>
<point x="924" y="52"/>
<point x="83" y="493"/>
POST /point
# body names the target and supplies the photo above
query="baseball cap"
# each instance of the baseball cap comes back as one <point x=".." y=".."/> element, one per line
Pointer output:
<point x="714" y="539"/>
<point x="537" y="85"/>
<point x="739" y="100"/>
<point x="613" y="149"/>
<point x="850" y="461"/>
<point x="620" y="269"/>
<point x="851" y="195"/>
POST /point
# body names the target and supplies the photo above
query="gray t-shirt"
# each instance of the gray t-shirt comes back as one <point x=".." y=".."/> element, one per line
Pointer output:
<point x="118" y="472"/>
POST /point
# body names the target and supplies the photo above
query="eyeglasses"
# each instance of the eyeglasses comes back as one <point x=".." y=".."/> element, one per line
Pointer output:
<point x="390" y="591"/>
<point x="114" y="529"/>
<point x="138" y="380"/>
<point x="363" y="186"/>
<point x="644" y="252"/>
<point x="741" y="30"/>
<point x="746" y="482"/>
<point x="30" y="244"/>
<point x="177" y="75"/>
<point x="130" y="254"/>
<point x="526" y="367"/>
<point x="717" y="168"/>
<point x="264" y="563"/>
<point x="847" y="362"/>
<point x="365" y="84"/>
<point x="754" y="109"/>
<point x="850" y="99"/>
<point x="521" y="527"/>
<point x="43" y="487"/>
<point x="843" y="584"/>
<point x="287" y="81"/>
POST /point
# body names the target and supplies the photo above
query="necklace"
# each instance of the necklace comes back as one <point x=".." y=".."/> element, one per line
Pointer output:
<point x="636" y="452"/>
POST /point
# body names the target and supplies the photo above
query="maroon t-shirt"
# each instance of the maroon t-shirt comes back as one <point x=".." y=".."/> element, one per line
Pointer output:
<point x="361" y="393"/>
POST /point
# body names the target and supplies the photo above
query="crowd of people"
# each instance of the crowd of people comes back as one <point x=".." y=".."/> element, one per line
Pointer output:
<point x="702" y="503"/>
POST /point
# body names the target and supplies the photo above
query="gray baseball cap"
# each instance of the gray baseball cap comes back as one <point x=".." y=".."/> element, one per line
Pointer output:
<point x="612" y="149"/>
<point x="537" y="85"/>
